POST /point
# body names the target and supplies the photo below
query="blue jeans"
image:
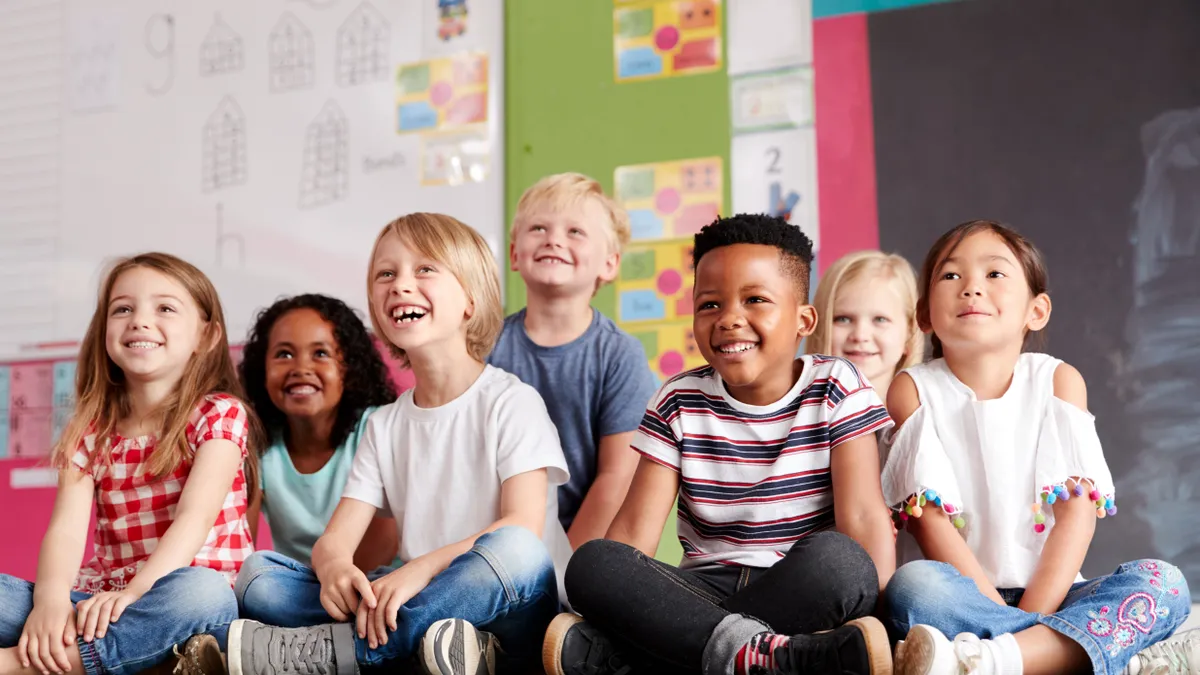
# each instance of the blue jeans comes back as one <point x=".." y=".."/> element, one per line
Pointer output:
<point x="186" y="602"/>
<point x="504" y="585"/>
<point x="1111" y="617"/>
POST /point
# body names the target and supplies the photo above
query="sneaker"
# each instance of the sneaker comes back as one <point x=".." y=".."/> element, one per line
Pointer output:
<point x="1177" y="655"/>
<point x="925" y="651"/>
<point x="574" y="647"/>
<point x="201" y="655"/>
<point x="258" y="649"/>
<point x="455" y="647"/>
<point x="859" y="647"/>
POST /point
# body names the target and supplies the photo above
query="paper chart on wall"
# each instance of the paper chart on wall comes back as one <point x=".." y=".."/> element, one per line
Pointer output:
<point x="670" y="347"/>
<point x="778" y="99"/>
<point x="455" y="157"/>
<point x="442" y="94"/>
<point x="768" y="34"/>
<point x="655" y="282"/>
<point x="31" y="392"/>
<point x="666" y="38"/>
<point x="777" y="175"/>
<point x="671" y="199"/>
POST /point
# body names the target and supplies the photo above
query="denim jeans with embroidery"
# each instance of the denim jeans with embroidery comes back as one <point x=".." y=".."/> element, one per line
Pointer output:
<point x="504" y="585"/>
<point x="186" y="602"/>
<point x="1111" y="617"/>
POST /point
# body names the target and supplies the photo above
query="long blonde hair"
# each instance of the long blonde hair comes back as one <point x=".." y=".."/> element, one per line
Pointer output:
<point x="464" y="252"/>
<point x="865" y="264"/>
<point x="102" y="400"/>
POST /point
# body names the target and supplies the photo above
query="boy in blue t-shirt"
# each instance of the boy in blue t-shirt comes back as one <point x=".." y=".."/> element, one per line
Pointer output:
<point x="567" y="238"/>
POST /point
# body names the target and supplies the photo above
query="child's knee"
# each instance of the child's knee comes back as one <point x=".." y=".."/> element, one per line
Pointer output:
<point x="518" y="554"/>
<point x="595" y="568"/>
<point x="254" y="567"/>
<point x="843" y="562"/>
<point x="201" y="596"/>
<point x="917" y="583"/>
<point x="16" y="602"/>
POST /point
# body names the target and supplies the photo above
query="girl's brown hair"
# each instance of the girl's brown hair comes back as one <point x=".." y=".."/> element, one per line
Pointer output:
<point x="895" y="271"/>
<point x="101" y="398"/>
<point x="461" y="249"/>
<point x="1028" y="257"/>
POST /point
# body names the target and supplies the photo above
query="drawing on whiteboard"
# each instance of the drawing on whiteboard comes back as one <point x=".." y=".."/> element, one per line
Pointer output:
<point x="224" y="151"/>
<point x="291" y="55"/>
<point x="94" y="62"/>
<point x="228" y="243"/>
<point x="1162" y="332"/>
<point x="363" y="44"/>
<point x="325" y="177"/>
<point x="222" y="50"/>
<point x="160" y="30"/>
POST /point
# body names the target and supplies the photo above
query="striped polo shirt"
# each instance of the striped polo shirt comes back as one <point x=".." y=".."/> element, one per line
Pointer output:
<point x="755" y="479"/>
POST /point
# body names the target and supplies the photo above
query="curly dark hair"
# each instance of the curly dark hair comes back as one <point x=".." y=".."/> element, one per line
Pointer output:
<point x="365" y="379"/>
<point x="795" y="248"/>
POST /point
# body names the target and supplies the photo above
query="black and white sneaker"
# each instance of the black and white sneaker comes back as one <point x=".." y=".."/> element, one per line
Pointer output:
<point x="574" y="647"/>
<point x="455" y="647"/>
<point x="258" y="649"/>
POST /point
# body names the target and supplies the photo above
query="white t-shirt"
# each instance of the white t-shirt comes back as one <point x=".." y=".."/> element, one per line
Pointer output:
<point x="438" y="471"/>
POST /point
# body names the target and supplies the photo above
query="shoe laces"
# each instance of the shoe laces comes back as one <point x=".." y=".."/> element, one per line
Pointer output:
<point x="308" y="651"/>
<point x="601" y="658"/>
<point x="1179" y="654"/>
<point x="968" y="649"/>
<point x="807" y="654"/>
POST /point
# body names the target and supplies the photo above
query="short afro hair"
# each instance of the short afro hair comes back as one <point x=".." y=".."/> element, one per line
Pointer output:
<point x="795" y="248"/>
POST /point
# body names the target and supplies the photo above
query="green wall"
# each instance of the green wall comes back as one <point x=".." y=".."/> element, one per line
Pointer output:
<point x="564" y="112"/>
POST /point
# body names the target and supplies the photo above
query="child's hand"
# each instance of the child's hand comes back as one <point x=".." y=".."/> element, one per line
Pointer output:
<point x="93" y="615"/>
<point x="342" y="586"/>
<point x="49" y="629"/>
<point x="392" y="590"/>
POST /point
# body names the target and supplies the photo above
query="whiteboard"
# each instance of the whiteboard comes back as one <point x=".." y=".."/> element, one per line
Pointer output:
<point x="206" y="129"/>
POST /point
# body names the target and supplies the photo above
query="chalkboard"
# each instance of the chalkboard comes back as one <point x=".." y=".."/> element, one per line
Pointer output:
<point x="1078" y="122"/>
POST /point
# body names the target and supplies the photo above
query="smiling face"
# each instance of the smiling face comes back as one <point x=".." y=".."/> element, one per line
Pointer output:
<point x="565" y="251"/>
<point x="154" y="326"/>
<point x="979" y="298"/>
<point x="304" y="365"/>
<point x="870" y="326"/>
<point x="749" y="320"/>
<point x="416" y="301"/>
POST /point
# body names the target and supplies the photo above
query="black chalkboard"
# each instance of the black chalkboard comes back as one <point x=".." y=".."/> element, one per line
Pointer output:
<point x="1078" y="123"/>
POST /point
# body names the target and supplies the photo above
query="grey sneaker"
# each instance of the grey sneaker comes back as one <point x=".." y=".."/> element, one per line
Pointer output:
<point x="201" y="655"/>
<point x="1177" y="655"/>
<point x="455" y="647"/>
<point x="258" y="649"/>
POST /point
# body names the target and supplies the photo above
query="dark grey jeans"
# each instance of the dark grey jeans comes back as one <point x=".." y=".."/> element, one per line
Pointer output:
<point x="669" y="620"/>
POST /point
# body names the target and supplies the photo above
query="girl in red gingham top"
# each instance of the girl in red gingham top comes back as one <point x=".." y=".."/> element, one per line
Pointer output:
<point x="159" y="443"/>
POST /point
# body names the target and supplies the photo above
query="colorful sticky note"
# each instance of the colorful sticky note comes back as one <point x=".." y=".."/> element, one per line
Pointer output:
<point x="671" y="199"/>
<point x="442" y="94"/>
<point x="665" y="38"/>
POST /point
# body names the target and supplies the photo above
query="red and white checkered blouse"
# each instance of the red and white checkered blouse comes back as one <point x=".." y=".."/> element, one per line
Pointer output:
<point x="134" y="507"/>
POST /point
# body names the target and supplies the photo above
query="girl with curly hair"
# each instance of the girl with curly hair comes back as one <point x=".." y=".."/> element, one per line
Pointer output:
<point x="313" y="375"/>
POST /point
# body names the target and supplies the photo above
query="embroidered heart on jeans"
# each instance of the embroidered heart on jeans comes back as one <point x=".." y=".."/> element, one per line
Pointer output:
<point x="1138" y="611"/>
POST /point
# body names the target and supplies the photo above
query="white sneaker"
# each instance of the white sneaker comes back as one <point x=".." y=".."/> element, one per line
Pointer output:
<point x="455" y="647"/>
<point x="925" y="651"/>
<point x="1177" y="655"/>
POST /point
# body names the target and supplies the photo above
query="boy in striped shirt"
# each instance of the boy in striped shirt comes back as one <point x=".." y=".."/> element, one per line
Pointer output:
<point x="778" y="576"/>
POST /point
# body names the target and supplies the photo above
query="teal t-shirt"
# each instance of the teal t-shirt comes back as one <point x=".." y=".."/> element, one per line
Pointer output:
<point x="298" y="506"/>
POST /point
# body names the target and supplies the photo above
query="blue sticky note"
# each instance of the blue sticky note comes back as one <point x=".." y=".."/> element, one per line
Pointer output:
<point x="64" y="397"/>
<point x="639" y="62"/>
<point x="642" y="306"/>
<point x="5" y="407"/>
<point x="418" y="115"/>
<point x="643" y="224"/>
